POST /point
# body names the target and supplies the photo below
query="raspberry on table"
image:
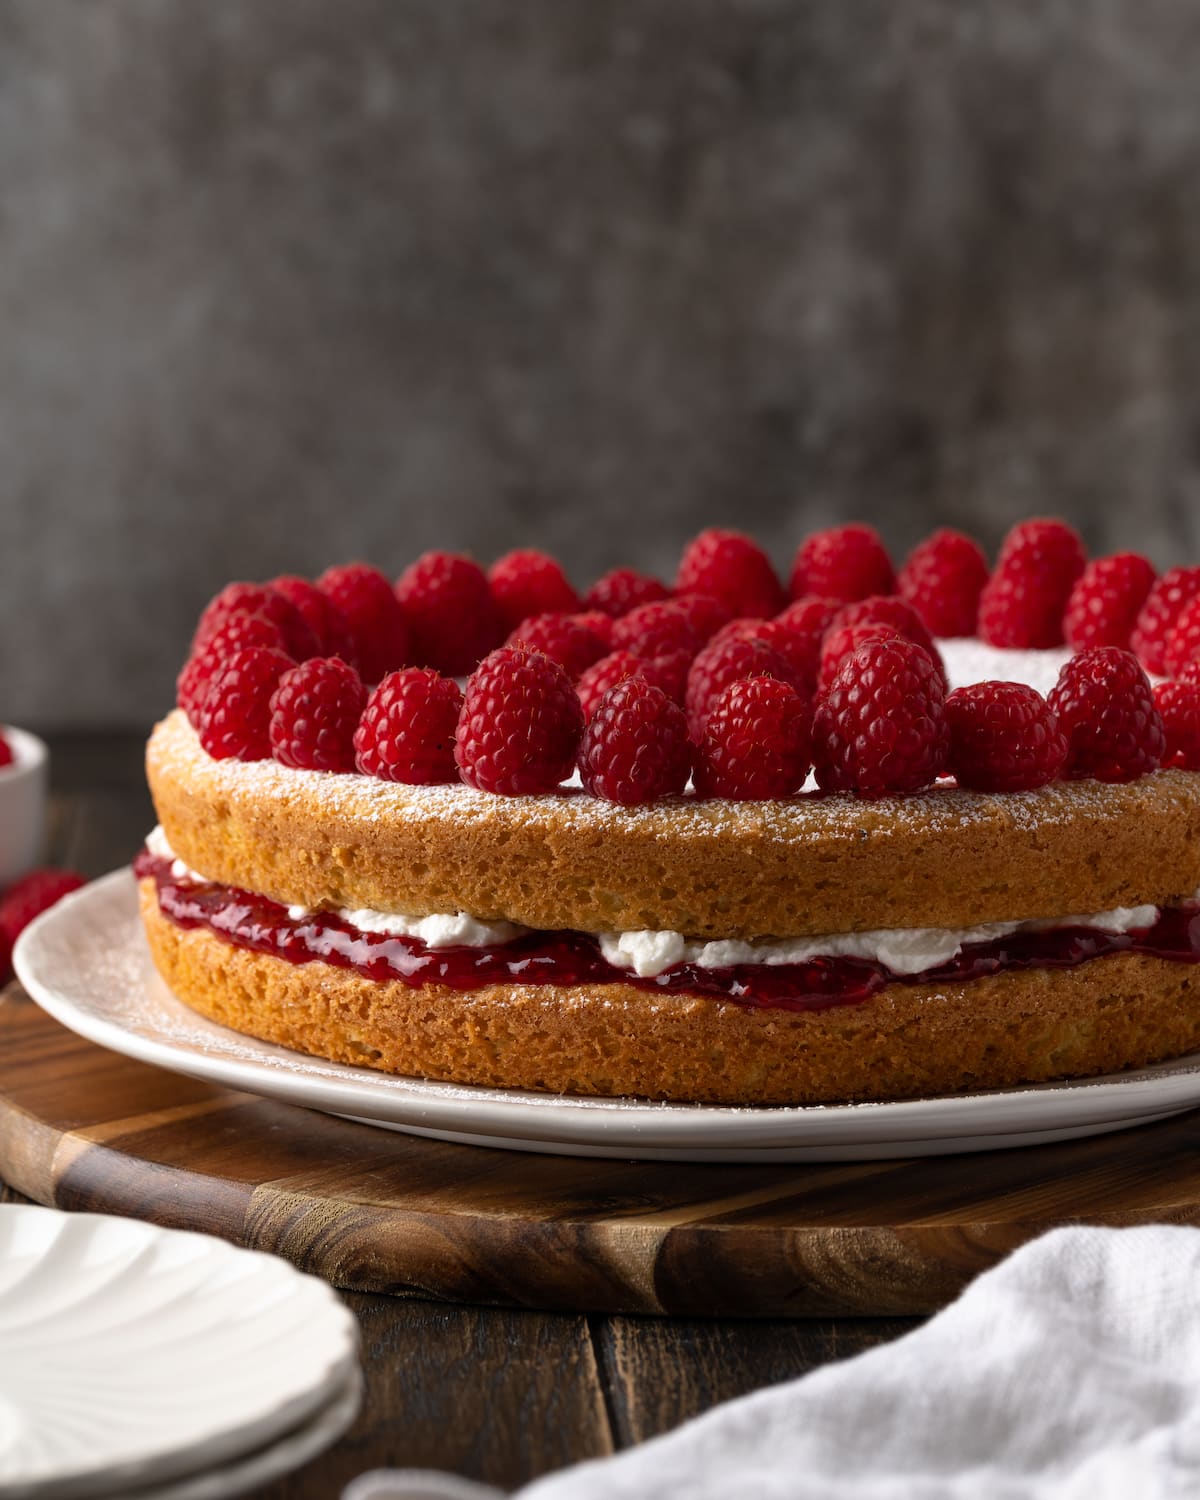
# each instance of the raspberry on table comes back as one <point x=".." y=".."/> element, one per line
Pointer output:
<point x="1105" y="603"/>
<point x="734" y="569"/>
<point x="562" y="638"/>
<point x="1106" y="708"/>
<point x="942" y="578"/>
<point x="705" y="614"/>
<point x="315" y="710"/>
<point x="257" y="599"/>
<point x="723" y="662"/>
<point x="235" y="722"/>
<point x="6" y="751"/>
<point x="1004" y="737"/>
<point x="28" y="898"/>
<point x="528" y="582"/>
<point x="1022" y="605"/>
<point x="1183" y="639"/>
<point x="1179" y="705"/>
<point x="799" y="650"/>
<point x="1164" y="604"/>
<point x="880" y="729"/>
<point x="843" y="640"/>
<point x="452" y="618"/>
<point x="756" y="742"/>
<point x="844" y="563"/>
<point x="329" y="626"/>
<point x="237" y="633"/>
<point x="407" y="729"/>
<point x="370" y="608"/>
<point x="635" y="748"/>
<point x="520" y="725"/>
<point x="654" y="629"/>
<point x="623" y="589"/>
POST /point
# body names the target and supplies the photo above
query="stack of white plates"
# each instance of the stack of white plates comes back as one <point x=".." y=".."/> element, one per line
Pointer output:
<point x="146" y="1362"/>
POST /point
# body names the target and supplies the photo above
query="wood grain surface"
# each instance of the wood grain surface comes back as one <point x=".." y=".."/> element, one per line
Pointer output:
<point x="374" y="1210"/>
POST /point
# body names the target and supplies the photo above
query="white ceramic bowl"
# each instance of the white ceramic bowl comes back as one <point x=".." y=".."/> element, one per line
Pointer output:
<point x="22" y="804"/>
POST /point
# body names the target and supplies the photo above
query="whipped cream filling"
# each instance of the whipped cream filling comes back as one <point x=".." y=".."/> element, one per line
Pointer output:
<point x="902" y="950"/>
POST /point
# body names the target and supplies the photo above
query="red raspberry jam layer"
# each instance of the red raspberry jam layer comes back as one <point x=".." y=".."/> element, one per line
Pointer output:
<point x="566" y="958"/>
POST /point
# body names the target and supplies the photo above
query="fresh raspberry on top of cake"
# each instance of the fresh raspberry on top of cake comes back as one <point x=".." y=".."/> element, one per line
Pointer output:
<point x="942" y="578"/>
<point x="798" y="649"/>
<point x="562" y="638"/>
<point x="520" y="725"/>
<point x="635" y="748"/>
<point x="1179" y="704"/>
<point x="1183" y="639"/>
<point x="407" y="729"/>
<point x="315" y="710"/>
<point x="723" y="662"/>
<point x="844" y="640"/>
<point x="6" y="752"/>
<point x="329" y="626"/>
<point x="623" y="589"/>
<point x="755" y="743"/>
<point x="844" y="563"/>
<point x="1164" y="604"/>
<point x="887" y="609"/>
<point x="528" y="582"/>
<point x="880" y="728"/>
<point x="654" y="629"/>
<point x="1106" y="708"/>
<point x="373" y="613"/>
<point x="1004" y="737"/>
<point x="705" y="613"/>
<point x="452" y="617"/>
<point x="733" y="568"/>
<point x="1021" y="607"/>
<point x="600" y="624"/>
<point x="609" y="671"/>
<point x="257" y="599"/>
<point x="1104" y="605"/>
<point x="237" y="633"/>
<point x="235" y="722"/>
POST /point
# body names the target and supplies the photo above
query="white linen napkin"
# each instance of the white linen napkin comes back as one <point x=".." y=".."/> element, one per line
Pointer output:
<point x="1071" y="1371"/>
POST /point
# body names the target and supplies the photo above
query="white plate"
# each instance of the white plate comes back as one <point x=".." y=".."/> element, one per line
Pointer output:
<point x="86" y="962"/>
<point x="131" y="1355"/>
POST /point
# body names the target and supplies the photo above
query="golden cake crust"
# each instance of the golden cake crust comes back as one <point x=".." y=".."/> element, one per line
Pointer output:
<point x="614" y="1039"/>
<point x="708" y="869"/>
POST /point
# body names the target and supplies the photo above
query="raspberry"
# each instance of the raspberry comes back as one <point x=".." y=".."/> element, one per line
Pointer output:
<point x="705" y="614"/>
<point x="622" y="590"/>
<point x="723" y="662"/>
<point x="669" y="672"/>
<point x="1105" y="603"/>
<point x="635" y="748"/>
<point x="237" y="633"/>
<point x="844" y="563"/>
<point x="600" y="624"/>
<point x="314" y="712"/>
<point x="256" y="599"/>
<point x="406" y="732"/>
<point x="1191" y="673"/>
<point x="843" y="641"/>
<point x="452" y="617"/>
<point x="942" y="578"/>
<point x="654" y="629"/>
<point x="560" y="637"/>
<point x="881" y="727"/>
<point x="1106" y="708"/>
<point x="1179" y="705"/>
<point x="235" y="721"/>
<point x="882" y="609"/>
<point x="756" y="742"/>
<point x="1022" y="605"/>
<point x="799" y="651"/>
<point x="810" y="616"/>
<point x="732" y="568"/>
<point x="605" y="674"/>
<point x="6" y="753"/>
<point x="1164" y="604"/>
<point x="529" y="582"/>
<point x="520" y="724"/>
<point x="1183" y="639"/>
<point x="373" y="613"/>
<point x="327" y="623"/>
<point x="29" y="897"/>
<point x="1003" y="738"/>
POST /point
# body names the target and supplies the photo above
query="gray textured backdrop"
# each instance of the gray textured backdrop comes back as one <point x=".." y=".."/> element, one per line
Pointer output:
<point x="285" y="281"/>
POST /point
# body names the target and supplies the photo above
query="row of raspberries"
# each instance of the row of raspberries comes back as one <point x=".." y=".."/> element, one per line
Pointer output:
<point x="744" y="709"/>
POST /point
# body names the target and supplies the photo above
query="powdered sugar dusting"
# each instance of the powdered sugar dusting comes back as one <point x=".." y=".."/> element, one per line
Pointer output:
<point x="971" y="660"/>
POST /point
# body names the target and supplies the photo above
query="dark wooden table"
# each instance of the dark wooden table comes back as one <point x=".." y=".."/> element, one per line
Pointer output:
<point x="498" y="1395"/>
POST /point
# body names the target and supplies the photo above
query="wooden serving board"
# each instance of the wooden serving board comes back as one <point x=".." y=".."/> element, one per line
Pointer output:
<point x="373" y="1210"/>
